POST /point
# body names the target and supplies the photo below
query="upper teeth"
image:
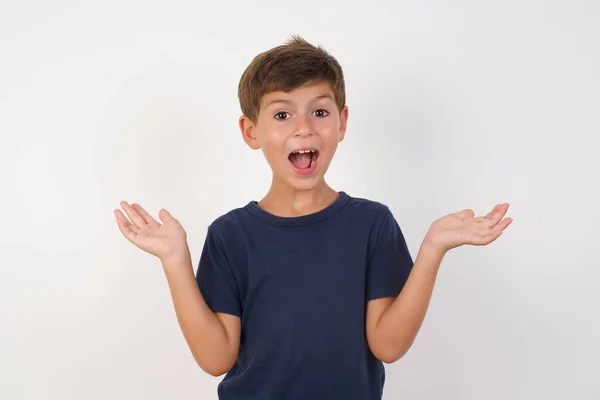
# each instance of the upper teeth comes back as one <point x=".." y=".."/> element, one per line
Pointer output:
<point x="303" y="151"/>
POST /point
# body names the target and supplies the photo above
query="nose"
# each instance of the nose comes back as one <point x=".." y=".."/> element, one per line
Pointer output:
<point x="303" y="126"/>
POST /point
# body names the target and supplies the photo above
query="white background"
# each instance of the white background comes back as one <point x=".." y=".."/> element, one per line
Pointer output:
<point x="453" y="105"/>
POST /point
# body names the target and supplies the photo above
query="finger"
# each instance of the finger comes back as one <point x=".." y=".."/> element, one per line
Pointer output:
<point x="133" y="215"/>
<point x="125" y="221"/>
<point x="494" y="216"/>
<point x="504" y="224"/>
<point x="484" y="237"/>
<point x="491" y="213"/>
<point x="489" y="238"/>
<point x="127" y="229"/>
<point x="144" y="214"/>
<point x="497" y="229"/>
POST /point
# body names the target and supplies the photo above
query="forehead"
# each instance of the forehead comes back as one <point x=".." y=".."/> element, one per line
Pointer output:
<point x="305" y="93"/>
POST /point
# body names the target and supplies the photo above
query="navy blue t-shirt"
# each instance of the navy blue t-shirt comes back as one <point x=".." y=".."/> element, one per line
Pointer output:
<point x="300" y="286"/>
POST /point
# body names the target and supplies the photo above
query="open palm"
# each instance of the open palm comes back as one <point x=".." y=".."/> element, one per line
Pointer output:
<point x="463" y="227"/>
<point x="162" y="240"/>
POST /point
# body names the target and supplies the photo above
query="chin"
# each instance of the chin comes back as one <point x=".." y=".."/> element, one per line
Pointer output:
<point x="305" y="184"/>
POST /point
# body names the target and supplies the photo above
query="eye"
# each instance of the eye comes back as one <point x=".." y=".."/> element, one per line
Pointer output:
<point x="281" y="115"/>
<point x="321" y="113"/>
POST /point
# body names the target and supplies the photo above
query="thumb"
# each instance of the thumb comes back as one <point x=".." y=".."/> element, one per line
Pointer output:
<point x="464" y="214"/>
<point x="164" y="215"/>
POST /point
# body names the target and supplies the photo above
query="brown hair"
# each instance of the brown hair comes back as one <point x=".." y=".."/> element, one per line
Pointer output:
<point x="287" y="67"/>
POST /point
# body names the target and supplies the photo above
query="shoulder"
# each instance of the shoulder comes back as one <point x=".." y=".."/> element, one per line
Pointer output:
<point x="228" y="222"/>
<point x="377" y="219"/>
<point x="365" y="204"/>
<point x="368" y="211"/>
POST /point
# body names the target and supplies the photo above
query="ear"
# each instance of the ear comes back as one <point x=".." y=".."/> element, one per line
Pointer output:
<point x="343" y="123"/>
<point x="247" y="128"/>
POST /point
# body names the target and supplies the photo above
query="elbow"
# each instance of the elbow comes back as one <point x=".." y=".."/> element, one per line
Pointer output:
<point x="388" y="358"/>
<point x="391" y="353"/>
<point x="216" y="368"/>
<point x="214" y="371"/>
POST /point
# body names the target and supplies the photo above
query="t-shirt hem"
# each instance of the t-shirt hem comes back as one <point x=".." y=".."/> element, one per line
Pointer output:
<point x="225" y="308"/>
<point x="380" y="293"/>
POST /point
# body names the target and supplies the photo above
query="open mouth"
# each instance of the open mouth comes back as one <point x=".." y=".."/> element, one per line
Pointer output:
<point x="304" y="160"/>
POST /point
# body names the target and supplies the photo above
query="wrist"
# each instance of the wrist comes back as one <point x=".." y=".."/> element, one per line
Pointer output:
<point x="431" y="251"/>
<point x="430" y="244"/>
<point x="177" y="259"/>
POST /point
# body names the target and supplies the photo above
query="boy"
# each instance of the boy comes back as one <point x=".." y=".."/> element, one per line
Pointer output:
<point x="306" y="293"/>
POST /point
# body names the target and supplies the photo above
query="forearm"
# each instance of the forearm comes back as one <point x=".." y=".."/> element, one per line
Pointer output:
<point x="204" y="333"/>
<point x="400" y="322"/>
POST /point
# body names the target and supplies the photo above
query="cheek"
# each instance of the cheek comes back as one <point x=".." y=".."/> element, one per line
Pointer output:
<point x="329" y="133"/>
<point x="273" y="145"/>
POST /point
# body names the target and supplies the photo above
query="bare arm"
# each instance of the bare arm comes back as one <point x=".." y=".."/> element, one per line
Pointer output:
<point x="393" y="323"/>
<point x="213" y="338"/>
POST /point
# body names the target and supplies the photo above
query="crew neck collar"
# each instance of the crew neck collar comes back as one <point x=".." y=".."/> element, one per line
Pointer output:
<point x="318" y="216"/>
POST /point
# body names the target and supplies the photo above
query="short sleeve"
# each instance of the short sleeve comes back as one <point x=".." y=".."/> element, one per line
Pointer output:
<point x="215" y="277"/>
<point x="389" y="263"/>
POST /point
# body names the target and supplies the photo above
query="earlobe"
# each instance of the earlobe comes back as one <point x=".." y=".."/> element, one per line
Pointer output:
<point x="247" y="129"/>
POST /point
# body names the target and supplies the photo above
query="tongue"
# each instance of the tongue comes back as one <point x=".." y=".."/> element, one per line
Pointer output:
<point x="301" y="160"/>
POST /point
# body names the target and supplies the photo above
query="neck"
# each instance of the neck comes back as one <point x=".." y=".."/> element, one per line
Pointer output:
<point x="285" y="201"/>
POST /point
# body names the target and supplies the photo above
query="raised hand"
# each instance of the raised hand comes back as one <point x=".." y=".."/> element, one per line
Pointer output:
<point x="458" y="229"/>
<point x="166" y="241"/>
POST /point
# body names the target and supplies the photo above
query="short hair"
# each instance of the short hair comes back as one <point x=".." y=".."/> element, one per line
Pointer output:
<point x="285" y="68"/>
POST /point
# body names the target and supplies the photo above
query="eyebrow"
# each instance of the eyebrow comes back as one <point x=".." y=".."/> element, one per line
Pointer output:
<point x="276" y="100"/>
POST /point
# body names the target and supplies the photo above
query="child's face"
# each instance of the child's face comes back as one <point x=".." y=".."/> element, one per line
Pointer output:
<point x="306" y="119"/>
